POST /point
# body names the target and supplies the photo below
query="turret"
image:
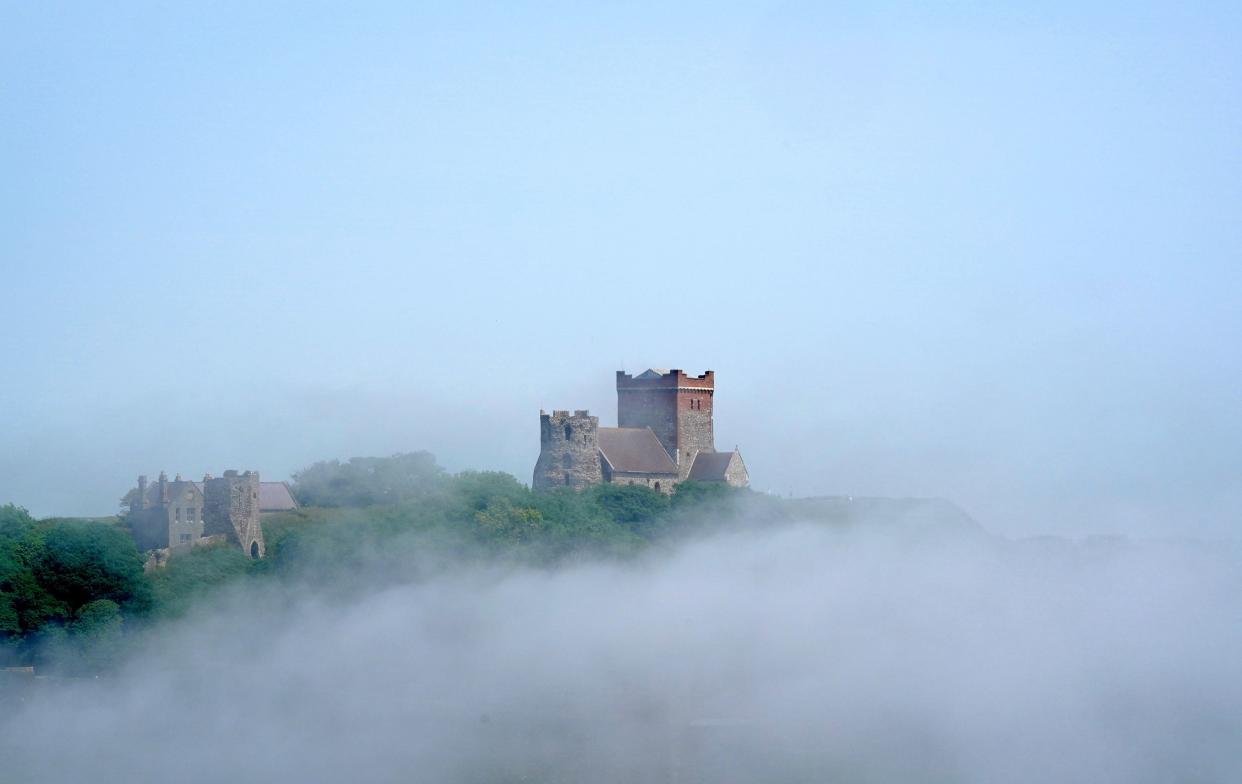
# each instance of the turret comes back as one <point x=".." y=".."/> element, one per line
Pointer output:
<point x="568" y="450"/>
<point x="231" y="507"/>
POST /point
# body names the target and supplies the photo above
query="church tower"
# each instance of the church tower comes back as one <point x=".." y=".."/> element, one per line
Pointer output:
<point x="676" y="406"/>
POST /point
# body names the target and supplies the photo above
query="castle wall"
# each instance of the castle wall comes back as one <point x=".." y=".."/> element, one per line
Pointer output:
<point x="568" y="451"/>
<point x="231" y="508"/>
<point x="664" y="483"/>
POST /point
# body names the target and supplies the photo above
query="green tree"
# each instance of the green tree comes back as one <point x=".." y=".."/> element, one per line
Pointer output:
<point x="84" y="562"/>
<point x="191" y="577"/>
<point x="369" y="481"/>
<point x="632" y="505"/>
<point x="474" y="491"/>
<point x="25" y="605"/>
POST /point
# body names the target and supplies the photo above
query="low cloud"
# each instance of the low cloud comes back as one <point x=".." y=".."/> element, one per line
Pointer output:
<point x="792" y="654"/>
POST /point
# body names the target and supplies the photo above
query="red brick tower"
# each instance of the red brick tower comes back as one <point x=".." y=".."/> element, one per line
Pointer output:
<point x="676" y="406"/>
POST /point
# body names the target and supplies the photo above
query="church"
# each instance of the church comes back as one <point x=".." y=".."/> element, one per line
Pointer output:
<point x="664" y="436"/>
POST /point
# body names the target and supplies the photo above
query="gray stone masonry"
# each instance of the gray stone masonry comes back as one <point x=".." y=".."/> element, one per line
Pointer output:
<point x="568" y="451"/>
<point x="231" y="503"/>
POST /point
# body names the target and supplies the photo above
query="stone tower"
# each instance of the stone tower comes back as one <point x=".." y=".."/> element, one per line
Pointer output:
<point x="676" y="406"/>
<point x="231" y="507"/>
<point x="568" y="450"/>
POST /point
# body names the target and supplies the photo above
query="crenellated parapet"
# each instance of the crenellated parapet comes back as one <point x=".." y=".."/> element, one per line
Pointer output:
<point x="664" y="425"/>
<point x="666" y="379"/>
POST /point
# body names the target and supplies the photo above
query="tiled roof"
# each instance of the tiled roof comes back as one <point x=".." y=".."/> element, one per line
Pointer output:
<point x="634" y="450"/>
<point x="711" y="466"/>
<point x="275" y="497"/>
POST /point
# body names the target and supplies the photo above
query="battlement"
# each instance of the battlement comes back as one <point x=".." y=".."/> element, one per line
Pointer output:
<point x="672" y="405"/>
<point x="569" y="449"/>
<point x="579" y="413"/>
<point x="564" y="426"/>
<point x="666" y="379"/>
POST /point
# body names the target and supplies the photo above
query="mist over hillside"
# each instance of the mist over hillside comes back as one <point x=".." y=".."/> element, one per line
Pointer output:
<point x="811" y="392"/>
<point x="785" y="652"/>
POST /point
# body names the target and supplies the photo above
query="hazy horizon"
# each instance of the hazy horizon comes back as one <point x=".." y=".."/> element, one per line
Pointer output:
<point x="988" y="255"/>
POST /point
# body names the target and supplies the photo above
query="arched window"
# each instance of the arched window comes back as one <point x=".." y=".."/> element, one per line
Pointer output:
<point x="568" y="432"/>
<point x="567" y="460"/>
<point x="254" y="550"/>
<point x="657" y="487"/>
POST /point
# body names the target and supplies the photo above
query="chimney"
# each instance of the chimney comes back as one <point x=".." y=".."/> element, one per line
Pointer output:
<point x="163" y="487"/>
<point x="142" y="491"/>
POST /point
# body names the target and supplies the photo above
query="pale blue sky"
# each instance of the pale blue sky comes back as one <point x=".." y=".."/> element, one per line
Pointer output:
<point x="990" y="255"/>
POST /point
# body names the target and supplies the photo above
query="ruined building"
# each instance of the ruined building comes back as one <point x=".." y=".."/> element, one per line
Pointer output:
<point x="179" y="513"/>
<point x="664" y="436"/>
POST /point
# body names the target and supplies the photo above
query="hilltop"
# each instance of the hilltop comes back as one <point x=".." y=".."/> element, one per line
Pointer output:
<point x="74" y="595"/>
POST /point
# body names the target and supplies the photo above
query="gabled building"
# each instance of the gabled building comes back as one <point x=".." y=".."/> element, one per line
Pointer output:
<point x="633" y="455"/>
<point x="665" y="435"/>
<point x="166" y="514"/>
<point x="180" y="513"/>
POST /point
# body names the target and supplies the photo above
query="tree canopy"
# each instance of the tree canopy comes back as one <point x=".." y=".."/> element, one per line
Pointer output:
<point x="368" y="481"/>
<point x="72" y="591"/>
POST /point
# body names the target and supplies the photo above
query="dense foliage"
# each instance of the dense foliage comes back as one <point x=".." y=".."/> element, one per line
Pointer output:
<point x="368" y="481"/>
<point x="72" y="590"/>
<point x="65" y="588"/>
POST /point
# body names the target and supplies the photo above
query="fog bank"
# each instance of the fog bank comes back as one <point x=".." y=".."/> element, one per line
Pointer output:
<point x="794" y="654"/>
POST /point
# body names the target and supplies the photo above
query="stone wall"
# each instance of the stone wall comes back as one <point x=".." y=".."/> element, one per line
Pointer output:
<point x="184" y="514"/>
<point x="655" y="408"/>
<point x="663" y="483"/>
<point x="173" y="516"/>
<point x="231" y="508"/>
<point x="568" y="451"/>
<point x="736" y="474"/>
<point x="694" y="427"/>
